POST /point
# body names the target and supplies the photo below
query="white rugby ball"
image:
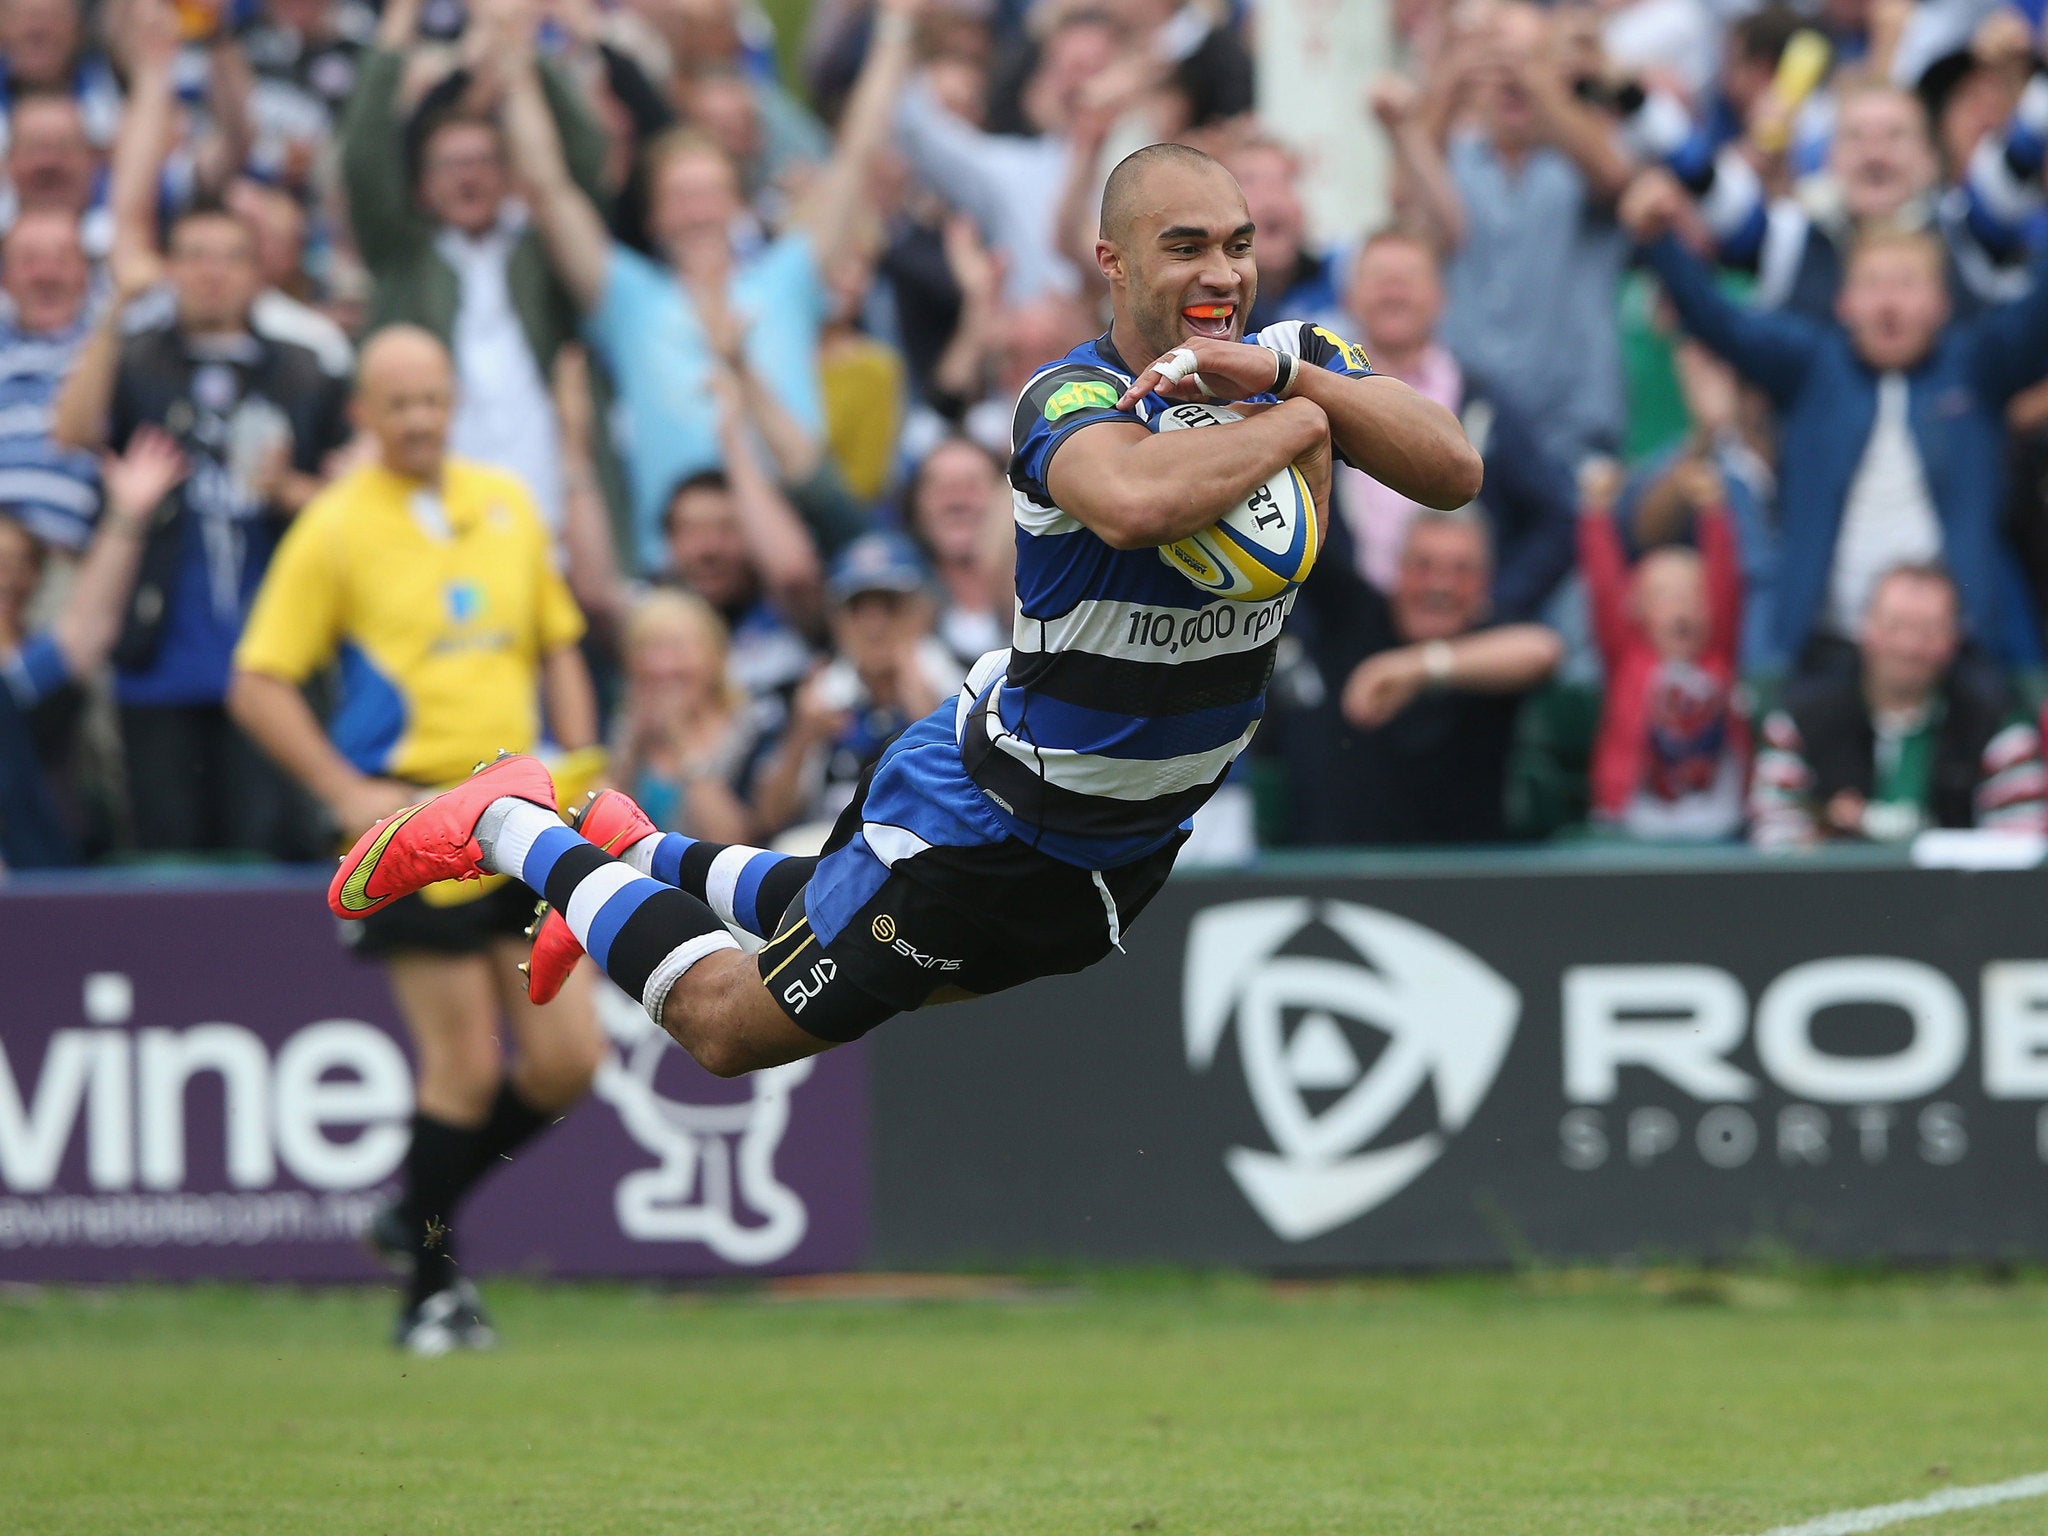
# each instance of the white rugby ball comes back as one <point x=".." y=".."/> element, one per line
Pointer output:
<point x="1262" y="547"/>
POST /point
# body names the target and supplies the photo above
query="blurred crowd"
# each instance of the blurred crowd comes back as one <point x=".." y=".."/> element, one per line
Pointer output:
<point x="1740" y="302"/>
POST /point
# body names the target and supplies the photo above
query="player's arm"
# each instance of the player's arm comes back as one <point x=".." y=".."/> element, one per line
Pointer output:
<point x="1404" y="440"/>
<point x="1137" y="489"/>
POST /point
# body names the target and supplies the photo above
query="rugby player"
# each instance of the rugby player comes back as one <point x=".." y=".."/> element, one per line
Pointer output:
<point x="1017" y="831"/>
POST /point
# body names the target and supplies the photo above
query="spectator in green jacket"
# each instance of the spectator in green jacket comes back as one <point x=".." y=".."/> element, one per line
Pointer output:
<point x="450" y="248"/>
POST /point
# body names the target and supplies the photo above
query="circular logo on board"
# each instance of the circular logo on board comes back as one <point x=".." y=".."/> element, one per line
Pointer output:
<point x="884" y="929"/>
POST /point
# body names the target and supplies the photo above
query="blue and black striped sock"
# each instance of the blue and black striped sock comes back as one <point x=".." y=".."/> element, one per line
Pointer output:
<point x="750" y="887"/>
<point x="643" y="933"/>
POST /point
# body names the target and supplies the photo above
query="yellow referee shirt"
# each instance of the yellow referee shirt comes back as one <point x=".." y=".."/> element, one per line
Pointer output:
<point x="439" y="602"/>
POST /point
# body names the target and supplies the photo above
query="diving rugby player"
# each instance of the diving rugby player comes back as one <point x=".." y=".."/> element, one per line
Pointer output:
<point x="1015" y="832"/>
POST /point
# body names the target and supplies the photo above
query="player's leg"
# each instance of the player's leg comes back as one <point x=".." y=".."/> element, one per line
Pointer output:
<point x="646" y="936"/>
<point x="750" y="888"/>
<point x="450" y="1006"/>
<point x="747" y="887"/>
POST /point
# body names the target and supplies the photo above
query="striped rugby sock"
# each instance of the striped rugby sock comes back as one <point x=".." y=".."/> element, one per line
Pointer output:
<point x="644" y="933"/>
<point x="750" y="887"/>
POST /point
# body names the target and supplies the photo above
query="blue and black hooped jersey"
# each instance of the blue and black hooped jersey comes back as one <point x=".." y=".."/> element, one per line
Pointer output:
<point x="1128" y="692"/>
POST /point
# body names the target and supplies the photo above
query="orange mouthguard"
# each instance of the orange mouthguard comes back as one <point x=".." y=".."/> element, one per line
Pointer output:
<point x="1209" y="311"/>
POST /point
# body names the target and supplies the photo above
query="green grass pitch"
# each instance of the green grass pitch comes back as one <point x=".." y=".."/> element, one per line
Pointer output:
<point x="1553" y="1405"/>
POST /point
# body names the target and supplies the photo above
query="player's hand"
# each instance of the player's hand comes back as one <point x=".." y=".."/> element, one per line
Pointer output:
<point x="1230" y="370"/>
<point x="1650" y="205"/>
<point x="1383" y="685"/>
<point x="1315" y="469"/>
<point x="368" y="801"/>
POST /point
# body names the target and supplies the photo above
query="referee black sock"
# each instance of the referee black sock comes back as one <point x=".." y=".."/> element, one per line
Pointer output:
<point x="644" y="935"/>
<point x="751" y="887"/>
<point x="511" y="1124"/>
<point x="439" y="1165"/>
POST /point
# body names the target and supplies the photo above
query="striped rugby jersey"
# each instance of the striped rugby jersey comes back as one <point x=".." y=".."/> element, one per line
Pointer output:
<point x="1127" y="692"/>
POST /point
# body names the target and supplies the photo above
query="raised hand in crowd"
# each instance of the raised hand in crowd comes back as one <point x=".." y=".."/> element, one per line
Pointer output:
<point x="134" y="485"/>
<point x="1651" y="205"/>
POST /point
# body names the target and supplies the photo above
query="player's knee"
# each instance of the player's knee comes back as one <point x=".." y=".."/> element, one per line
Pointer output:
<point x="723" y="1056"/>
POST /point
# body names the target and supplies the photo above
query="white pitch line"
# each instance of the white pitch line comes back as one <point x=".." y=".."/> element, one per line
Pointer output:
<point x="1852" y="1522"/>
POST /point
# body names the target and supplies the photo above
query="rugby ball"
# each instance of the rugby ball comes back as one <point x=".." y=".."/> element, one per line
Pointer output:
<point x="1262" y="547"/>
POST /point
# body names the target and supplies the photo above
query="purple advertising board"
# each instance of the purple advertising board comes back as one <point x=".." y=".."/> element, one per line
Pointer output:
<point x="198" y="1081"/>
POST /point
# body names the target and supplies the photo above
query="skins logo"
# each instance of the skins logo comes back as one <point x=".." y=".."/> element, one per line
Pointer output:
<point x="1447" y="1016"/>
<point x="884" y="930"/>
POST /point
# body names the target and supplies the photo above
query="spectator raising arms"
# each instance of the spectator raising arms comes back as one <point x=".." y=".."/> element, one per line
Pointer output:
<point x="1892" y="436"/>
<point x="449" y="248"/>
<point x="1672" y="750"/>
<point x="36" y="669"/>
<point x="1907" y="743"/>
<point x="256" y="418"/>
<point x="643" y="317"/>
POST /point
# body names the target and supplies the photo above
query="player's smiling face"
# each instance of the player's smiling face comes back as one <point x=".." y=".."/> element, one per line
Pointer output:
<point x="1189" y="268"/>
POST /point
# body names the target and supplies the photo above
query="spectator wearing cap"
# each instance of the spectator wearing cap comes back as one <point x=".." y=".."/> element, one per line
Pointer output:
<point x="1405" y="737"/>
<point x="451" y="250"/>
<point x="1905" y="742"/>
<point x="889" y="671"/>
<point x="1396" y="298"/>
<point x="52" y="490"/>
<point x="647" y="320"/>
<point x="1892" y="439"/>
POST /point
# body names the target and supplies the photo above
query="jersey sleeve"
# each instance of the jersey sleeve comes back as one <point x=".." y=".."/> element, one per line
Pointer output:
<point x="295" y="626"/>
<point x="1054" y="406"/>
<point x="1318" y="347"/>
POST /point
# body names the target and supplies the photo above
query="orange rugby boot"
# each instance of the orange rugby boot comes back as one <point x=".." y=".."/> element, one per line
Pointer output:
<point x="434" y="840"/>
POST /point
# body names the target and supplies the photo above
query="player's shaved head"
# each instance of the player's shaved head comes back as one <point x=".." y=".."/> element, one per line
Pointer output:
<point x="1129" y="183"/>
<point x="405" y="399"/>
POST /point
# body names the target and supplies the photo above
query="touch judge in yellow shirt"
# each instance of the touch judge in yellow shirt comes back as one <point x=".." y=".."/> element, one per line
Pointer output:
<point x="429" y="582"/>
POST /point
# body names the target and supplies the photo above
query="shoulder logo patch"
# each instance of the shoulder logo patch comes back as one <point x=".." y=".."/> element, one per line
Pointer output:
<point x="1352" y="353"/>
<point x="1081" y="395"/>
